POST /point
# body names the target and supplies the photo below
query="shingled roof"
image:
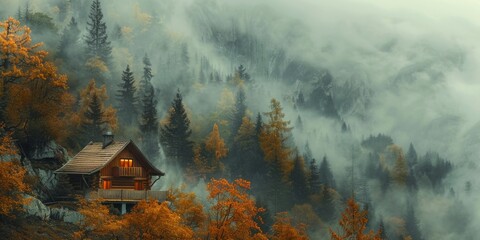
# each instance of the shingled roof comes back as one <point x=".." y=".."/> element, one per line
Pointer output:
<point x="94" y="157"/>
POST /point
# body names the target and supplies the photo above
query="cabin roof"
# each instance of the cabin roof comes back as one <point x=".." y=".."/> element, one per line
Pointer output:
<point x="94" y="157"/>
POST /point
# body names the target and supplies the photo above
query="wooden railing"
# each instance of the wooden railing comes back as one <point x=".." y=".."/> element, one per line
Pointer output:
<point x="127" y="172"/>
<point x="131" y="195"/>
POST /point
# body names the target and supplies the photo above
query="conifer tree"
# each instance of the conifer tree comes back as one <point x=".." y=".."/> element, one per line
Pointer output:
<point x="69" y="38"/>
<point x="326" y="207"/>
<point x="239" y="111"/>
<point x="126" y="98"/>
<point x="145" y="82"/>
<point x="411" y="157"/>
<point x="325" y="174"/>
<point x="299" y="180"/>
<point x="314" y="177"/>
<point x="175" y="134"/>
<point x="258" y="124"/>
<point x="411" y="224"/>
<point x="149" y="124"/>
<point x="94" y="117"/>
<point x="97" y="38"/>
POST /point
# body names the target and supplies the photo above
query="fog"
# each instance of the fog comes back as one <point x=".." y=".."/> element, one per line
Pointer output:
<point x="407" y="69"/>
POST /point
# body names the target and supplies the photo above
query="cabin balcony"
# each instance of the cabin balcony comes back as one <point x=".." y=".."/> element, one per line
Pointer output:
<point x="127" y="172"/>
<point x="128" y="195"/>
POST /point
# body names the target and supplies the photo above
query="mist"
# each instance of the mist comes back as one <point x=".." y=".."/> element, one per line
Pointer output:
<point x="406" y="69"/>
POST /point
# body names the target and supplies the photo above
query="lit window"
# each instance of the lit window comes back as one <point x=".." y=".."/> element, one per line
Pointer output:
<point x="126" y="162"/>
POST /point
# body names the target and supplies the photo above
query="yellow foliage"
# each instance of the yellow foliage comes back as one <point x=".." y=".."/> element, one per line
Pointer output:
<point x="97" y="220"/>
<point x="109" y="113"/>
<point x="12" y="176"/>
<point x="36" y="95"/>
<point x="215" y="144"/>
<point x="189" y="208"/>
<point x="353" y="223"/>
<point x="305" y="214"/>
<point x="283" y="229"/>
<point x="96" y="64"/>
<point x="154" y="220"/>
<point x="273" y="139"/>
<point x="233" y="214"/>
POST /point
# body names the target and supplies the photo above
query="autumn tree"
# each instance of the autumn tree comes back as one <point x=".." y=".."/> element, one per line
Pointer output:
<point x="97" y="221"/>
<point x="400" y="170"/>
<point x="12" y="176"/>
<point x="97" y="38"/>
<point x="233" y="213"/>
<point x="283" y="229"/>
<point x="126" y="98"/>
<point x="215" y="146"/>
<point x="94" y="117"/>
<point x="353" y="223"/>
<point x="225" y="112"/>
<point x="33" y="97"/>
<point x="273" y="139"/>
<point x="175" y="134"/>
<point x="189" y="208"/>
<point x="154" y="220"/>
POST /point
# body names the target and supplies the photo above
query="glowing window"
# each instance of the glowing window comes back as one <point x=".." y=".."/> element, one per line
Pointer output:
<point x="126" y="162"/>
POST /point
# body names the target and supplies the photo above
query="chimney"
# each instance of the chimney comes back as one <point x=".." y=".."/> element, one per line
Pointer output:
<point x="107" y="139"/>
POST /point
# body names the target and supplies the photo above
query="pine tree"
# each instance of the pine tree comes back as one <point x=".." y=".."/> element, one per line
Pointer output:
<point x="400" y="170"/>
<point x="412" y="157"/>
<point x="149" y="124"/>
<point x="175" y="134"/>
<point x="325" y="173"/>
<point x="326" y="207"/>
<point x="411" y="224"/>
<point x="97" y="38"/>
<point x="314" y="177"/>
<point x="94" y="124"/>
<point x="246" y="158"/>
<point x="126" y="98"/>
<point x="145" y="82"/>
<point x="299" y="180"/>
<point x="239" y="111"/>
<point x="258" y="124"/>
<point x="69" y="39"/>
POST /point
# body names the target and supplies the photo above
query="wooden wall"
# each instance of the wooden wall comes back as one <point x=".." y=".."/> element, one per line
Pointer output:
<point x="107" y="170"/>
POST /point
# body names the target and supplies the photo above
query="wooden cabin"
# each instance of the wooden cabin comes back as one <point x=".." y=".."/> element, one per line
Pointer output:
<point x="117" y="170"/>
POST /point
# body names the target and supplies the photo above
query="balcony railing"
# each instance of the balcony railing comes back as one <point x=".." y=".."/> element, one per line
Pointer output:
<point x="131" y="195"/>
<point x="127" y="172"/>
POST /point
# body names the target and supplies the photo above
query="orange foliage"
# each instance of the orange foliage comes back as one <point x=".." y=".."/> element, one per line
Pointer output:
<point x="97" y="220"/>
<point x="86" y="95"/>
<point x="283" y="229"/>
<point x="274" y="136"/>
<point x="215" y="145"/>
<point x="154" y="220"/>
<point x="233" y="214"/>
<point x="36" y="96"/>
<point x="187" y="206"/>
<point x="354" y="223"/>
<point x="12" y="176"/>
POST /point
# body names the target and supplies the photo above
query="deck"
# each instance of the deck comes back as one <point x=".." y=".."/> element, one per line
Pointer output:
<point x="127" y="195"/>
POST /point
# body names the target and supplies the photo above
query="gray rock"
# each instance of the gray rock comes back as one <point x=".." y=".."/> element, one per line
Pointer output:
<point x="66" y="215"/>
<point x="36" y="208"/>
